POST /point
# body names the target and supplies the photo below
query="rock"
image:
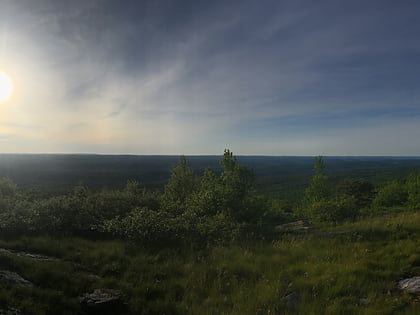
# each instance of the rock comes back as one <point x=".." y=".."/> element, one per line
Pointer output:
<point x="292" y="226"/>
<point x="102" y="301"/>
<point x="410" y="285"/>
<point x="25" y="254"/>
<point x="364" y="301"/>
<point x="13" y="278"/>
<point x="332" y="233"/>
<point x="10" y="311"/>
<point x="291" y="299"/>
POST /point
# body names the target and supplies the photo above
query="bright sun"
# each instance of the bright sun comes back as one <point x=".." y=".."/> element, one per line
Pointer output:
<point x="6" y="87"/>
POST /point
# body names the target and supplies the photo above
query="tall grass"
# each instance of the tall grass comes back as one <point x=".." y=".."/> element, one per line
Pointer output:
<point x="351" y="273"/>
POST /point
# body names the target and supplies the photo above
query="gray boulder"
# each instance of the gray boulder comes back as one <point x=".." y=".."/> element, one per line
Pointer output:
<point x="292" y="226"/>
<point x="25" y="254"/>
<point x="291" y="299"/>
<point x="10" y="311"/>
<point x="13" y="278"/>
<point x="410" y="285"/>
<point x="102" y="301"/>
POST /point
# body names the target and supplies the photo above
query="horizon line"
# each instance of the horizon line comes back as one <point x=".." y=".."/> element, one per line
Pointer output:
<point x="177" y="155"/>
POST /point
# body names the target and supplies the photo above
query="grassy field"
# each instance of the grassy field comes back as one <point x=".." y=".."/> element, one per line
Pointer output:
<point x="314" y="273"/>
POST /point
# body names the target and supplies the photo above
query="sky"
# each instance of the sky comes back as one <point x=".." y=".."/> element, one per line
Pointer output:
<point x="195" y="77"/>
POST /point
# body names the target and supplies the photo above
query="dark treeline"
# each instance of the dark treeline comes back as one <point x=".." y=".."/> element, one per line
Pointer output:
<point x="280" y="176"/>
<point x="210" y="207"/>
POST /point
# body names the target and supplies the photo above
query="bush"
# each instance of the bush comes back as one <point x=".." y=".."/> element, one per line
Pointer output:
<point x="141" y="224"/>
<point x="334" y="210"/>
<point x="394" y="193"/>
<point x="151" y="227"/>
<point x="360" y="189"/>
<point x="413" y="191"/>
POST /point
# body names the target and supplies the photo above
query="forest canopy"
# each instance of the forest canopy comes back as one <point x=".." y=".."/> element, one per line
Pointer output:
<point x="209" y="208"/>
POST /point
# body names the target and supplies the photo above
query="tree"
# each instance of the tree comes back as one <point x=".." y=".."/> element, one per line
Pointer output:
<point x="208" y="198"/>
<point x="231" y="193"/>
<point x="319" y="203"/>
<point x="235" y="177"/>
<point x="180" y="186"/>
<point x="319" y="188"/>
<point x="237" y="188"/>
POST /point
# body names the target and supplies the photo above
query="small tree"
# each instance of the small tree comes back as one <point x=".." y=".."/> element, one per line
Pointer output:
<point x="235" y="176"/>
<point x="319" y="188"/>
<point x="208" y="199"/>
<point x="320" y="205"/>
<point x="180" y="186"/>
<point x="237" y="188"/>
<point x="231" y="193"/>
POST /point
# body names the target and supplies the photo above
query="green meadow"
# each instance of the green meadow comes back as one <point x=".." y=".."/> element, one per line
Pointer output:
<point x="351" y="273"/>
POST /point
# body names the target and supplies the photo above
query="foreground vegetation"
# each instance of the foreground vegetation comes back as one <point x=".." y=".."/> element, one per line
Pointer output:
<point x="313" y="273"/>
<point x="208" y="245"/>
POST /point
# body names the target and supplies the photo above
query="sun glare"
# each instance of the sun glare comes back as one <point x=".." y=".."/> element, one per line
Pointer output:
<point x="6" y="87"/>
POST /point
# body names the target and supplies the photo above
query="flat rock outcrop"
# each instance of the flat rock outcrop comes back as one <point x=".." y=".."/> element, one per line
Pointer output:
<point x="10" y="311"/>
<point x="292" y="226"/>
<point x="102" y="301"/>
<point x="13" y="278"/>
<point x="25" y="254"/>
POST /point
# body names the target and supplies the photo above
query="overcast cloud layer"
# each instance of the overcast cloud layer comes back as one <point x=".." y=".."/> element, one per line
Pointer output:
<point x="195" y="77"/>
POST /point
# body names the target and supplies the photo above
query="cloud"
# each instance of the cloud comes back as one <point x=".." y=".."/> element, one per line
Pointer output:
<point x="198" y="76"/>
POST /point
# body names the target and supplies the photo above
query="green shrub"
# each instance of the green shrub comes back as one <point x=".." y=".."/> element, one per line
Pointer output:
<point x="413" y="190"/>
<point x="392" y="194"/>
<point x="149" y="227"/>
<point x="360" y="189"/>
<point x="140" y="224"/>
<point x="333" y="210"/>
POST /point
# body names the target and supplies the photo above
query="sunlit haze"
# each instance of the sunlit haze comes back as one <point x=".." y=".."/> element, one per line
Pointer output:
<point x="195" y="77"/>
<point x="6" y="87"/>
